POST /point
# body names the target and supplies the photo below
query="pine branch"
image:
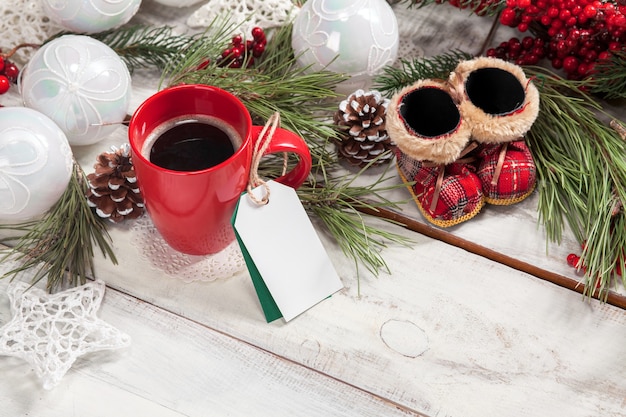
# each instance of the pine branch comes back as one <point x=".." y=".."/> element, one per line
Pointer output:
<point x="143" y="46"/>
<point x="582" y="176"/>
<point x="61" y="244"/>
<point x="609" y="78"/>
<point x="393" y="79"/>
<point x="274" y="84"/>
<point x="339" y="205"/>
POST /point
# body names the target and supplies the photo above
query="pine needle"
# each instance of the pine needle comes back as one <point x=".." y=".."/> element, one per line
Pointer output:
<point x="274" y="84"/>
<point x="393" y="79"/>
<point x="142" y="46"/>
<point x="336" y="202"/>
<point x="609" y="77"/>
<point x="60" y="246"/>
<point x="582" y="176"/>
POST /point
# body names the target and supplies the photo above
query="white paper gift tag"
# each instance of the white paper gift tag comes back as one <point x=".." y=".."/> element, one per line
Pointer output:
<point x="282" y="247"/>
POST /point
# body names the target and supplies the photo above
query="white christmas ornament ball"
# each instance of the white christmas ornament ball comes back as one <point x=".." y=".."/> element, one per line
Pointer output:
<point x="81" y="84"/>
<point x="90" y="16"/>
<point x="35" y="163"/>
<point x="353" y="37"/>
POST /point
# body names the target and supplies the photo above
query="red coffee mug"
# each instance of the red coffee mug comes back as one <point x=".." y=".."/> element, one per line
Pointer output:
<point x="192" y="209"/>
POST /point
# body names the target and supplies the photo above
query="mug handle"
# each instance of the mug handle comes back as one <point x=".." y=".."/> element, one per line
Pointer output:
<point x="286" y="141"/>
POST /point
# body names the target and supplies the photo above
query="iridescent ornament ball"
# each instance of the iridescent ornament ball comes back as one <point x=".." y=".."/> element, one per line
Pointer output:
<point x="90" y="16"/>
<point x="81" y="84"/>
<point x="353" y="37"/>
<point x="35" y="164"/>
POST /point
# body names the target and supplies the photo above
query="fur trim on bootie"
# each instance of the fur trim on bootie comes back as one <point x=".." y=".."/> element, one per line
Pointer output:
<point x="496" y="99"/>
<point x="425" y="123"/>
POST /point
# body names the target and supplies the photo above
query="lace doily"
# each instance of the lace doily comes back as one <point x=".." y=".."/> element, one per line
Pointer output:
<point x="188" y="268"/>
<point x="23" y="21"/>
<point x="262" y="13"/>
<point x="51" y="331"/>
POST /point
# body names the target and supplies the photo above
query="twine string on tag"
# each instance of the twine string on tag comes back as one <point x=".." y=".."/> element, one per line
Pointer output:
<point x="260" y="147"/>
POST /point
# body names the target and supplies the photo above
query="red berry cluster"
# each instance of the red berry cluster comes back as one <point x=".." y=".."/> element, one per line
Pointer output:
<point x="241" y="51"/>
<point x="574" y="34"/>
<point x="8" y="74"/>
<point x="527" y="51"/>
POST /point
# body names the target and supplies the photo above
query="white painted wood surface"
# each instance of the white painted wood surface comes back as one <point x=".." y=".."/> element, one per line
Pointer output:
<point x="447" y="333"/>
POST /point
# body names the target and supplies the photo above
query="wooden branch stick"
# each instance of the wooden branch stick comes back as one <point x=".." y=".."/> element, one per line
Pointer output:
<point x="613" y="298"/>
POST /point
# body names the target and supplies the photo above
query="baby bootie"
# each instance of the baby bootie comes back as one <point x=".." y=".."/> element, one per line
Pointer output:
<point x="500" y="104"/>
<point x="507" y="172"/>
<point x="432" y="139"/>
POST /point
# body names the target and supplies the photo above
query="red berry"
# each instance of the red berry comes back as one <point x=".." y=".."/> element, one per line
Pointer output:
<point x="570" y="64"/>
<point x="508" y="17"/>
<point x="11" y="70"/>
<point x="237" y="40"/>
<point x="572" y="260"/>
<point x="258" y="33"/>
<point x="204" y="64"/>
<point x="258" y="50"/>
<point x="236" y="52"/>
<point x="236" y="63"/>
<point x="5" y="84"/>
<point x="527" y="42"/>
<point x="590" y="11"/>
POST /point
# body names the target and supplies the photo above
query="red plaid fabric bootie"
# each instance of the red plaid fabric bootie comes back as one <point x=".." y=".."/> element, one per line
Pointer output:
<point x="507" y="172"/>
<point x="500" y="104"/>
<point x="432" y="138"/>
<point x="446" y="195"/>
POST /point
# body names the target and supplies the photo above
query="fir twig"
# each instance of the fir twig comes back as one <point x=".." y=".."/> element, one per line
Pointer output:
<point x="142" y="46"/>
<point x="338" y="203"/>
<point x="275" y="84"/>
<point x="582" y="175"/>
<point x="393" y="79"/>
<point x="60" y="245"/>
<point x="609" y="77"/>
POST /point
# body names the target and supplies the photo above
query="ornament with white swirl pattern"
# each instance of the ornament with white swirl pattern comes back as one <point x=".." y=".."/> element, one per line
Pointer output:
<point x="35" y="163"/>
<point x="352" y="37"/>
<point x="81" y="84"/>
<point x="90" y="16"/>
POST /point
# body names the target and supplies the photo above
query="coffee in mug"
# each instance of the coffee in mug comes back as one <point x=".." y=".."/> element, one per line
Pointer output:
<point x="191" y="143"/>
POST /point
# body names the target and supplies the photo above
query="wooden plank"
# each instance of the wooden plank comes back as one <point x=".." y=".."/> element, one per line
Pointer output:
<point x="175" y="367"/>
<point x="444" y="331"/>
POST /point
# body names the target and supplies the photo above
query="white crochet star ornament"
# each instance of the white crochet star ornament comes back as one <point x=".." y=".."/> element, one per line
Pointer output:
<point x="50" y="331"/>
<point x="262" y="13"/>
<point x="24" y="21"/>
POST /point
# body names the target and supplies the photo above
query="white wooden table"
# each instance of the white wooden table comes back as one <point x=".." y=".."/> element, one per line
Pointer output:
<point x="447" y="333"/>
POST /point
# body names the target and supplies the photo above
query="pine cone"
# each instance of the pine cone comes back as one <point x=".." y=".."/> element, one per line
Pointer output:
<point x="363" y="116"/>
<point x="113" y="189"/>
